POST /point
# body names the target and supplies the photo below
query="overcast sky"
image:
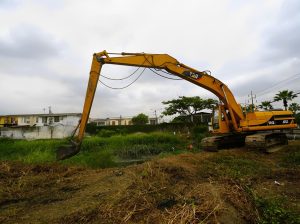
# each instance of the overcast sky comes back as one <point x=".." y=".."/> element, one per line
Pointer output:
<point x="46" y="48"/>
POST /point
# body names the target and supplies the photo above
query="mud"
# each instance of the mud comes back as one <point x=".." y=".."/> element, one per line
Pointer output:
<point x="188" y="188"/>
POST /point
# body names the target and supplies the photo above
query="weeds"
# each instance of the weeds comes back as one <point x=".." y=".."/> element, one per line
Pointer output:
<point x="227" y="166"/>
<point x="38" y="151"/>
<point x="106" y="133"/>
<point x="239" y="167"/>
<point x="271" y="211"/>
<point x="96" y="152"/>
<point x="291" y="159"/>
<point x="97" y="159"/>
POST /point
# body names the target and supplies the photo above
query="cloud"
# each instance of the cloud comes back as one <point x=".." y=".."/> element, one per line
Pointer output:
<point x="247" y="45"/>
<point x="8" y="4"/>
<point x="29" y="42"/>
<point x="282" y="37"/>
<point x="276" y="57"/>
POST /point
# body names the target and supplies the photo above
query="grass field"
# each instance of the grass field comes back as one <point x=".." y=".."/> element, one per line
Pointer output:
<point x="96" y="152"/>
<point x="231" y="186"/>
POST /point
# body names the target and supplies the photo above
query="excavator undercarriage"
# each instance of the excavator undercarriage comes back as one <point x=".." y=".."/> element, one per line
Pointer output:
<point x="266" y="141"/>
<point x="215" y="143"/>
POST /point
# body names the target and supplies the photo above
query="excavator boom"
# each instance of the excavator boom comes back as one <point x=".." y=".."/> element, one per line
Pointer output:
<point x="230" y="109"/>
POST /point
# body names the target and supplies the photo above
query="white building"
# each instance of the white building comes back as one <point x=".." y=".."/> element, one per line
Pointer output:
<point x="64" y="119"/>
<point x="112" y="121"/>
<point x="40" y="126"/>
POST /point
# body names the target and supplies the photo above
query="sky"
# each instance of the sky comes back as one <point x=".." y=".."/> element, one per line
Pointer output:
<point x="46" y="49"/>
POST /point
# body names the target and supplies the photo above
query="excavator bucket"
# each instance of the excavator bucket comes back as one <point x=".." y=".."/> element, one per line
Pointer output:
<point x="67" y="151"/>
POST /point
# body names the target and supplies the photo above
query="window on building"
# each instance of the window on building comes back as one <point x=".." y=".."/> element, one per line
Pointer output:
<point x="44" y="120"/>
<point x="26" y="120"/>
<point x="14" y="120"/>
<point x="113" y="123"/>
<point x="152" y="122"/>
<point x="101" y="123"/>
<point x="56" y="119"/>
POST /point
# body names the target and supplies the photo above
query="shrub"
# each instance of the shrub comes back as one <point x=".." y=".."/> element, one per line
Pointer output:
<point x="272" y="212"/>
<point x="106" y="133"/>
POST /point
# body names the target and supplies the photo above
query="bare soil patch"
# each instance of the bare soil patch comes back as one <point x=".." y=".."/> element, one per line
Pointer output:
<point x="187" y="188"/>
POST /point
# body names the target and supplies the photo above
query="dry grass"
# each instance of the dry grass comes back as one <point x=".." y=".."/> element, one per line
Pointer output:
<point x="188" y="188"/>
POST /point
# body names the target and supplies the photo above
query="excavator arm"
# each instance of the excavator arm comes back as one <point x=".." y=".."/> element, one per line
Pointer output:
<point x="157" y="61"/>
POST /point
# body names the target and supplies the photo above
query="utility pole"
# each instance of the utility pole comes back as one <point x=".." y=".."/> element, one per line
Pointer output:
<point x="252" y="98"/>
<point x="156" y="120"/>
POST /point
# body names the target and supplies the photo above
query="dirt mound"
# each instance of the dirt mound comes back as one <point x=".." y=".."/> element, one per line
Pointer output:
<point x="188" y="188"/>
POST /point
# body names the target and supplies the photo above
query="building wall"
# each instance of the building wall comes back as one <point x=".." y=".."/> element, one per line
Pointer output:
<point x="45" y="132"/>
<point x="122" y="121"/>
<point x="2" y="121"/>
<point x="71" y="120"/>
<point x="27" y="120"/>
<point x="8" y="121"/>
<point x="119" y="121"/>
<point x="41" y="120"/>
<point x="153" y="121"/>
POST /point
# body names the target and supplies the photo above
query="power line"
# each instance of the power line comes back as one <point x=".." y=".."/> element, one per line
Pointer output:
<point x="291" y="78"/>
<point x="295" y="92"/>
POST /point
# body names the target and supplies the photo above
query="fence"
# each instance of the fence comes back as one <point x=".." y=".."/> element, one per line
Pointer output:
<point x="44" y="132"/>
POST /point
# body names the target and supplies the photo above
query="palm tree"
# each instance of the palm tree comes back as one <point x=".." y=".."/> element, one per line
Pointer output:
<point x="294" y="107"/>
<point x="285" y="96"/>
<point x="266" y="105"/>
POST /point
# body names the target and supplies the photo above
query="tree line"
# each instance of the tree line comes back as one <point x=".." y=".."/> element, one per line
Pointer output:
<point x="285" y="96"/>
<point x="187" y="107"/>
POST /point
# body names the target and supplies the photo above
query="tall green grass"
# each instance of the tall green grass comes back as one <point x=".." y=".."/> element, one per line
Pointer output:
<point x="107" y="151"/>
<point x="37" y="151"/>
<point x="95" y="151"/>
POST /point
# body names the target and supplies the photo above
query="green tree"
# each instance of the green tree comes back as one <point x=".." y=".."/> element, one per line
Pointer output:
<point x="285" y="96"/>
<point x="188" y="106"/>
<point x="211" y="103"/>
<point x="247" y="108"/>
<point x="297" y="117"/>
<point x="266" y="105"/>
<point x="294" y="107"/>
<point x="140" y="119"/>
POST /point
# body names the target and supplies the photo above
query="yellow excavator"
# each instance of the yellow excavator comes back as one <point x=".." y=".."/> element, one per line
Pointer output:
<point x="256" y="129"/>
